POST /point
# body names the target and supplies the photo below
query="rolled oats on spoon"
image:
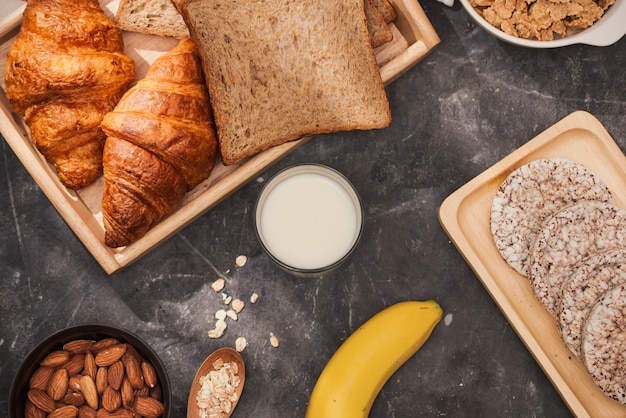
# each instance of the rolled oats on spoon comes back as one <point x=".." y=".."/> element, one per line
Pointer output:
<point x="217" y="386"/>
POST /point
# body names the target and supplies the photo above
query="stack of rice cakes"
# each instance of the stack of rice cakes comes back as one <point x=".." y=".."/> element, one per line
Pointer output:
<point x="554" y="221"/>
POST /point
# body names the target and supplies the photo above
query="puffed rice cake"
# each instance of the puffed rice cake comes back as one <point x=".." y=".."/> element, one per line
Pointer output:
<point x="590" y="279"/>
<point x="604" y="339"/>
<point x="530" y="195"/>
<point x="570" y="235"/>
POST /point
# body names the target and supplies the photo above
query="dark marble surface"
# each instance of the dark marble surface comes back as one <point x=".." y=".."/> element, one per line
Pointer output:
<point x="459" y="111"/>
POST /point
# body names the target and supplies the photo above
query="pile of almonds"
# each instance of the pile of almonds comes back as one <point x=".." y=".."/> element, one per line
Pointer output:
<point x="94" y="379"/>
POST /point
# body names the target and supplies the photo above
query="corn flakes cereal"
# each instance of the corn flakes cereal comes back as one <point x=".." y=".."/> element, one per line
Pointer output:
<point x="542" y="20"/>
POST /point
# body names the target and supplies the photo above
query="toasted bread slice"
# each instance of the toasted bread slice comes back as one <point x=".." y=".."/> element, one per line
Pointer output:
<point x="154" y="17"/>
<point x="279" y="70"/>
<point x="376" y="25"/>
<point x="386" y="9"/>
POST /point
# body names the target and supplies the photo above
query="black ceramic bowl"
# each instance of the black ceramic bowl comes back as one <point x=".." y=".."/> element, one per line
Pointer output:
<point x="19" y="388"/>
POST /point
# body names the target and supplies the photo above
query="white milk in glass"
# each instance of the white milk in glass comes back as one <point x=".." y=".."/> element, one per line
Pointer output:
<point x="309" y="221"/>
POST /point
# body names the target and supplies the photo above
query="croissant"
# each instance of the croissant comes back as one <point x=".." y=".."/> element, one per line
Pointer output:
<point x="161" y="143"/>
<point x="64" y="72"/>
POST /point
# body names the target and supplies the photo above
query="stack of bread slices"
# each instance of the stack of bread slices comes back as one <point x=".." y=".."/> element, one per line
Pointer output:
<point x="278" y="71"/>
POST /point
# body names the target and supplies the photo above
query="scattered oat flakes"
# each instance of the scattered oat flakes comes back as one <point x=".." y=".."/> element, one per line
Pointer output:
<point x="231" y="314"/>
<point x="237" y="305"/>
<point x="218" y="285"/>
<point x="274" y="340"/>
<point x="241" y="344"/>
<point x="218" y="331"/>
<point x="218" y="388"/>
<point x="214" y="333"/>
<point x="241" y="261"/>
<point x="221" y="314"/>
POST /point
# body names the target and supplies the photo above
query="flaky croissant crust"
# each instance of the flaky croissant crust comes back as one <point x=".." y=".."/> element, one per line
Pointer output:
<point x="65" y="47"/>
<point x="64" y="71"/>
<point x="161" y="143"/>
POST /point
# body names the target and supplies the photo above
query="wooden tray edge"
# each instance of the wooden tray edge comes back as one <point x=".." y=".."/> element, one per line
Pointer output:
<point x="449" y="222"/>
<point x="112" y="260"/>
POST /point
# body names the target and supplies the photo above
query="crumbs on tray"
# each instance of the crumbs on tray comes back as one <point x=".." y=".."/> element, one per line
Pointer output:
<point x="542" y="20"/>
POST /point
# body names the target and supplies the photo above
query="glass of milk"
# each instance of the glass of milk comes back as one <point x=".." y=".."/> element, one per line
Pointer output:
<point x="309" y="219"/>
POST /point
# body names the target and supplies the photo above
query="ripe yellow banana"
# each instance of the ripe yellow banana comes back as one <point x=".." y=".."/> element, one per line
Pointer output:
<point x="357" y="371"/>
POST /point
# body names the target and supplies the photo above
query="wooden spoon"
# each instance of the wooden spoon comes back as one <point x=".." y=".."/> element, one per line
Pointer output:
<point x="228" y="355"/>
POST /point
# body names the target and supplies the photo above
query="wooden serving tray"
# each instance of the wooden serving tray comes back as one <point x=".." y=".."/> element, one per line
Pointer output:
<point x="414" y="38"/>
<point x="465" y="216"/>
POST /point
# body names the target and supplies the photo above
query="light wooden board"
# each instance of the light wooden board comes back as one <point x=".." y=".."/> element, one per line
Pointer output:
<point x="414" y="39"/>
<point x="465" y="216"/>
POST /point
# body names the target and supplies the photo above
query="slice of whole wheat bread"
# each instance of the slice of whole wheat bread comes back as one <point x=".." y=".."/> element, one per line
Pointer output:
<point x="377" y="27"/>
<point x="386" y="10"/>
<point x="279" y="70"/>
<point x="154" y="17"/>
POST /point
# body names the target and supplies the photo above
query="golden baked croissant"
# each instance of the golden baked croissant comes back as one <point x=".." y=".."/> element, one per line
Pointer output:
<point x="64" y="71"/>
<point x="161" y="143"/>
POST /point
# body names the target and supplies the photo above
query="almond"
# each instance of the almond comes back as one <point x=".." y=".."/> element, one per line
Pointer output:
<point x="74" y="382"/>
<point x="148" y="407"/>
<point x="90" y="367"/>
<point x="111" y="399"/>
<point x="56" y="358"/>
<point x="120" y="413"/>
<point x="73" y="398"/>
<point x="75" y="364"/>
<point x="31" y="411"/>
<point x="127" y="392"/>
<point x="102" y="380"/>
<point x="149" y="374"/>
<point x="41" y="400"/>
<point x="156" y="393"/>
<point x="131" y="352"/>
<point x="68" y="411"/>
<point x="110" y="355"/>
<point x="143" y="391"/>
<point x="115" y="374"/>
<point x="104" y="343"/>
<point x="41" y="377"/>
<point x="88" y="389"/>
<point x="133" y="372"/>
<point x="58" y="384"/>
<point x="78" y="346"/>
<point x="85" y="411"/>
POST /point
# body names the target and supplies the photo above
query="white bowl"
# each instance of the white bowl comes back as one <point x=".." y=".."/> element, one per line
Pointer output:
<point x="610" y="28"/>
